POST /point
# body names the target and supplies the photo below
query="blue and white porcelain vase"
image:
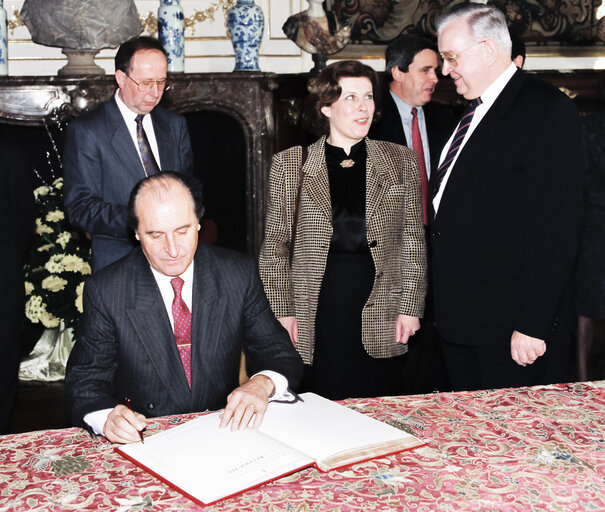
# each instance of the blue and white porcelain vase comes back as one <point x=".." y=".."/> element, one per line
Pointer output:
<point x="3" y="41"/>
<point x="246" y="22"/>
<point x="171" y="33"/>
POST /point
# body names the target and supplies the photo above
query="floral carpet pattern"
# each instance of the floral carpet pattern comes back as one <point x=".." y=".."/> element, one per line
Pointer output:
<point x="526" y="449"/>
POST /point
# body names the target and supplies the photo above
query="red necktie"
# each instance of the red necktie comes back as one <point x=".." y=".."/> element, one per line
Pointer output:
<point x="182" y="326"/>
<point x="424" y="179"/>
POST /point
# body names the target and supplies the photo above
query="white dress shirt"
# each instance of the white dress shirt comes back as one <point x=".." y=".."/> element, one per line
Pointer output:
<point x="487" y="100"/>
<point x="130" y="120"/>
<point x="405" y="113"/>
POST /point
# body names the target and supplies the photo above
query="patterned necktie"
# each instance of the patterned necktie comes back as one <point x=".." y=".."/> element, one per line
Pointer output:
<point x="424" y="179"/>
<point x="149" y="163"/>
<point x="465" y="122"/>
<point x="182" y="326"/>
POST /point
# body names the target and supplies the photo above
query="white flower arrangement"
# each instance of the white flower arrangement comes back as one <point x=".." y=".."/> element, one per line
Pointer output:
<point x="57" y="265"/>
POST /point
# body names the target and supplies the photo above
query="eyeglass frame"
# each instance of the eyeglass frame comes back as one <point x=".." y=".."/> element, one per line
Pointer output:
<point x="162" y="85"/>
<point x="452" y="59"/>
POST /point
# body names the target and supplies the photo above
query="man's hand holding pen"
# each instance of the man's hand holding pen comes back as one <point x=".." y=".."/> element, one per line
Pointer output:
<point x="124" y="425"/>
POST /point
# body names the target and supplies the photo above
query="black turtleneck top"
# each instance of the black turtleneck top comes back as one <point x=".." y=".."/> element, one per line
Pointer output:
<point x="348" y="197"/>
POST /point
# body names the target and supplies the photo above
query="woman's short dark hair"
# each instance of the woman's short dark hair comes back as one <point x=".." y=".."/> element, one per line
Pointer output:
<point x="129" y="48"/>
<point x="326" y="90"/>
<point x="190" y="183"/>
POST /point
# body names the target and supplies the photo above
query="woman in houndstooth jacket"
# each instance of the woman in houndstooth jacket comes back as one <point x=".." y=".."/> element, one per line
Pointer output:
<point x="351" y="292"/>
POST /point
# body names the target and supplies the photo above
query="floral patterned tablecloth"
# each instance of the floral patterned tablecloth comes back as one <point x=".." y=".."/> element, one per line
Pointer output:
<point x="535" y="449"/>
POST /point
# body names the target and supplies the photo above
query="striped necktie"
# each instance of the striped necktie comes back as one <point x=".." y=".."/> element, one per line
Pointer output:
<point x="465" y="122"/>
<point x="149" y="163"/>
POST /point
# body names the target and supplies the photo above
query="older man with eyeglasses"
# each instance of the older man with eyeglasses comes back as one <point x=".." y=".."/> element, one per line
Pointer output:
<point x="108" y="150"/>
<point x="508" y="199"/>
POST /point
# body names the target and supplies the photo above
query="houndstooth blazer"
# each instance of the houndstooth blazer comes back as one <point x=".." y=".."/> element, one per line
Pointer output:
<point x="394" y="230"/>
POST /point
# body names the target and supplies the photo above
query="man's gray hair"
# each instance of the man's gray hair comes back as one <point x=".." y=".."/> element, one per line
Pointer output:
<point x="484" y="21"/>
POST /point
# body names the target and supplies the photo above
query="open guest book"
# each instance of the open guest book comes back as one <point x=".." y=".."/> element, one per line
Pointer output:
<point x="208" y="464"/>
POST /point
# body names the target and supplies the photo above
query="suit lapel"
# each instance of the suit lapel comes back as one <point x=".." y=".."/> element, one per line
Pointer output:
<point x="317" y="184"/>
<point x="152" y="326"/>
<point x="481" y="141"/>
<point x="121" y="141"/>
<point x="164" y="140"/>
<point x="437" y="134"/>
<point x="391" y="121"/>
<point x="376" y="167"/>
<point x="208" y="310"/>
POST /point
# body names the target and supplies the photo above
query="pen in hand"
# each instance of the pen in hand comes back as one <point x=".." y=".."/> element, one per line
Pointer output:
<point x="128" y="404"/>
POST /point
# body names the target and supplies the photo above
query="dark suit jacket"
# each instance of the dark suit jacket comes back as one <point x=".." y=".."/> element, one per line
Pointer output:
<point x="590" y="276"/>
<point x="440" y="124"/>
<point x="506" y="231"/>
<point x="17" y="216"/>
<point x="125" y="345"/>
<point x="17" y="213"/>
<point x="101" y="166"/>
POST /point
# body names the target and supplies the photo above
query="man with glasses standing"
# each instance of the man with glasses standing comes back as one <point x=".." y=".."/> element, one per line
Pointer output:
<point x="508" y="199"/>
<point x="107" y="151"/>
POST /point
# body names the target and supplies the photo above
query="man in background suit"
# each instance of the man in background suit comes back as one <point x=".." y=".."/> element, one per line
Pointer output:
<point x="17" y="212"/>
<point x="105" y="156"/>
<point x="508" y="212"/>
<point x="126" y="338"/>
<point x="412" y="62"/>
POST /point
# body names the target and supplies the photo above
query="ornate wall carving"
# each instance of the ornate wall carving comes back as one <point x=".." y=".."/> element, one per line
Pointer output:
<point x="563" y="21"/>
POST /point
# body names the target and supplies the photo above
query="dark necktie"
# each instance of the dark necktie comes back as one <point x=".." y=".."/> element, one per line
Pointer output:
<point x="149" y="163"/>
<point x="465" y="122"/>
<point x="424" y="179"/>
<point x="182" y="326"/>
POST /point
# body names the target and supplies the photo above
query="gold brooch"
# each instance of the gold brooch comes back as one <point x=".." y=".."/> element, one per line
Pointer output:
<point x="347" y="163"/>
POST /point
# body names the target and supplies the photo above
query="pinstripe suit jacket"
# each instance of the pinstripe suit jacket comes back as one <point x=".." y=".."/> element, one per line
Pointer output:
<point x="125" y="345"/>
<point x="394" y="231"/>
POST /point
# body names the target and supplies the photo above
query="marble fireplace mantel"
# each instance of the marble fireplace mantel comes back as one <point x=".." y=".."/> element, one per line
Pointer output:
<point x="247" y="97"/>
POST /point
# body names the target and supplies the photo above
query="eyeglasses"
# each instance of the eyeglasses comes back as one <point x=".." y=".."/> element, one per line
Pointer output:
<point x="452" y="58"/>
<point x="147" y="85"/>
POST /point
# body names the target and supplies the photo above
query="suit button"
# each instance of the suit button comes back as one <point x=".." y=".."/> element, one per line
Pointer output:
<point x="436" y="234"/>
<point x="150" y="406"/>
<point x="373" y="243"/>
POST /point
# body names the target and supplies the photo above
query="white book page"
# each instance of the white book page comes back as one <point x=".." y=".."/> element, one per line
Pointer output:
<point x="322" y="428"/>
<point x="210" y="463"/>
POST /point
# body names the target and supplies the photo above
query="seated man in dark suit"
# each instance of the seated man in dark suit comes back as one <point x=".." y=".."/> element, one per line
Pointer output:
<point x="165" y="326"/>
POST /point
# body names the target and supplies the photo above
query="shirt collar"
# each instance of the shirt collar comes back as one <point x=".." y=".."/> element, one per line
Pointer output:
<point x="124" y="110"/>
<point x="493" y="91"/>
<point x="186" y="276"/>
<point x="405" y="110"/>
